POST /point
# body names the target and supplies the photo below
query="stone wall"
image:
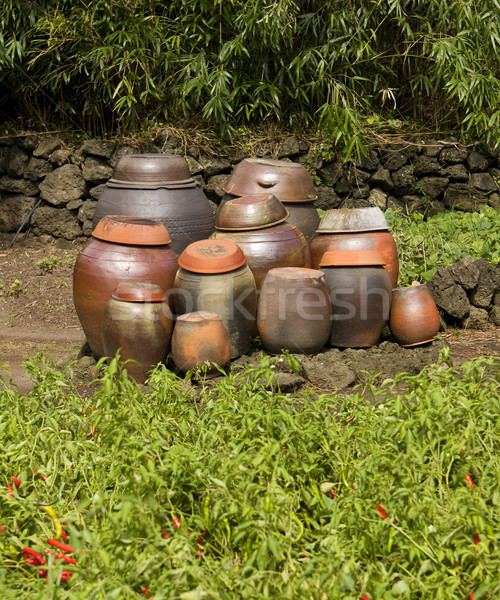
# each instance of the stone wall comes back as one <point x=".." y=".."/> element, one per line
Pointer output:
<point x="67" y="177"/>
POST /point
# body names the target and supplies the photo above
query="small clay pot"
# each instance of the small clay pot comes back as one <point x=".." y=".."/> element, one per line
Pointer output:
<point x="294" y="311"/>
<point x="200" y="337"/>
<point x="360" y="292"/>
<point x="138" y="321"/>
<point x="414" y="317"/>
<point x="250" y="212"/>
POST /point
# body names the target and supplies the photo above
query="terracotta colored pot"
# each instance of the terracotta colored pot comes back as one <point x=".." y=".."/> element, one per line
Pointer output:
<point x="149" y="186"/>
<point x="250" y="212"/>
<point x="101" y="265"/>
<point x="200" y="337"/>
<point x="414" y="317"/>
<point x="360" y="291"/>
<point x="382" y="241"/>
<point x="279" y="246"/>
<point x="204" y="281"/>
<point x="138" y="321"/>
<point x="294" y="311"/>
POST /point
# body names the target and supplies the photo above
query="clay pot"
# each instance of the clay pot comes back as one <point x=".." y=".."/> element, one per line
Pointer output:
<point x="213" y="276"/>
<point x="414" y="317"/>
<point x="158" y="186"/>
<point x="138" y="321"/>
<point x="278" y="246"/>
<point x="250" y="212"/>
<point x="294" y="311"/>
<point x="356" y="235"/>
<point x="200" y="337"/>
<point x="360" y="292"/>
<point x="105" y="261"/>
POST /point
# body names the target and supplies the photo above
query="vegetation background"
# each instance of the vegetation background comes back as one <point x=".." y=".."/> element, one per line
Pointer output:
<point x="343" y="68"/>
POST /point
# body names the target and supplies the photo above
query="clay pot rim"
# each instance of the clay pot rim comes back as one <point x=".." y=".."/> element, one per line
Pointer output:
<point x="353" y="220"/>
<point x="150" y="167"/>
<point x="138" y="292"/>
<point x="259" y="211"/>
<point x="352" y="258"/>
<point x="152" y="185"/>
<point x="284" y="227"/>
<point x="303" y="273"/>
<point x="194" y="260"/>
<point x="131" y="231"/>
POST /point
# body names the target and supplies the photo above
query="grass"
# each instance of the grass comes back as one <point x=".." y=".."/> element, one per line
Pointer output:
<point x="236" y="491"/>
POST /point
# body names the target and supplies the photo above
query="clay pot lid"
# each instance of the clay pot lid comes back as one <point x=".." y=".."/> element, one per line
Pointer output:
<point x="280" y="233"/>
<point x="138" y="292"/>
<point x="340" y="220"/>
<point x="151" y="168"/>
<point x="289" y="181"/>
<point x="199" y="316"/>
<point x="352" y="258"/>
<point x="296" y="273"/>
<point x="212" y="256"/>
<point x="135" y="231"/>
<point x="253" y="211"/>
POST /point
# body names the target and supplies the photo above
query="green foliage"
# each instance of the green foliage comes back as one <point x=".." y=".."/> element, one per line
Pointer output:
<point x="276" y="496"/>
<point x="341" y="68"/>
<point x="442" y="240"/>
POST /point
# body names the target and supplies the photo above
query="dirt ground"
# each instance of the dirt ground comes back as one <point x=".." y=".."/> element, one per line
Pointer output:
<point x="37" y="315"/>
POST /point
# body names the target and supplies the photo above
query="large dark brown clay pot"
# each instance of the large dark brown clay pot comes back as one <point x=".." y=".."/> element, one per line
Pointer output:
<point x="158" y="186"/>
<point x="360" y="291"/>
<point x="213" y="276"/>
<point x="414" y="317"/>
<point x="294" y="311"/>
<point x="138" y="321"/>
<point x="356" y="229"/>
<point x="200" y="337"/>
<point x="122" y="249"/>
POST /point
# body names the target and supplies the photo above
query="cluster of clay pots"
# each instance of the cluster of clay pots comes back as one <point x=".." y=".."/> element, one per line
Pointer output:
<point x="160" y="275"/>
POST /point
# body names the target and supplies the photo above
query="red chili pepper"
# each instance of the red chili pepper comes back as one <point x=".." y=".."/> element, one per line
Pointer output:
<point x="177" y="523"/>
<point x="165" y="534"/>
<point x="382" y="512"/>
<point x="31" y="561"/>
<point x="476" y="539"/>
<point x="43" y="573"/>
<point x="64" y="557"/>
<point x="16" y="481"/>
<point x="469" y="481"/>
<point x="11" y="489"/>
<point x="34" y="554"/>
<point x="471" y="596"/>
<point x="66" y="574"/>
<point x="145" y="591"/>
<point x="60" y="545"/>
<point x="40" y="475"/>
<point x="332" y="492"/>
<point x="363" y="597"/>
<point x="2" y="528"/>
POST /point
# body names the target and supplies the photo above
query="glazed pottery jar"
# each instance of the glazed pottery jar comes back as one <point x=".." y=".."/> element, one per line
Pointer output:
<point x="200" y="337"/>
<point x="356" y="229"/>
<point x="121" y="249"/>
<point x="158" y="186"/>
<point x="414" y="317"/>
<point x="360" y="291"/>
<point x="138" y="321"/>
<point x="290" y="182"/>
<point x="294" y="311"/>
<point x="213" y="276"/>
<point x="256" y="224"/>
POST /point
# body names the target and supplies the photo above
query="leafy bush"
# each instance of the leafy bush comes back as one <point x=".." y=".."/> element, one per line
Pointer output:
<point x="275" y="496"/>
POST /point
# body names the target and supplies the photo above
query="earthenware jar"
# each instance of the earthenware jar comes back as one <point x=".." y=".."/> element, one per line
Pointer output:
<point x="138" y="321"/>
<point x="213" y="276"/>
<point x="200" y="337"/>
<point x="290" y="182"/>
<point x="414" y="317"/>
<point x="158" y="186"/>
<point x="121" y="249"/>
<point x="356" y="229"/>
<point x="256" y="224"/>
<point x="294" y="311"/>
<point x="360" y="290"/>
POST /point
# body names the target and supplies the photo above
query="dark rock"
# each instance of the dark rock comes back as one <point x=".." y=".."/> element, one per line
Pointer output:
<point x="18" y="186"/>
<point x="213" y="188"/>
<point x="491" y="151"/>
<point x="57" y="222"/>
<point x="464" y="197"/>
<point x="456" y="172"/>
<point x="360" y="178"/>
<point x="311" y="161"/>
<point x="60" y="157"/>
<point x="382" y="179"/>
<point x="304" y="145"/>
<point x="166" y="139"/>
<point x="327" y="198"/>
<point x="484" y="182"/>
<point x="46" y="147"/>
<point x="477" y="161"/>
<point x="96" y="170"/>
<point x="63" y="185"/>
<point x="13" y="210"/>
<point x="477" y="319"/>
<point x="290" y="147"/>
<point x="86" y="212"/>
<point x="96" y="191"/>
<point x="448" y="295"/>
<point x="395" y="160"/>
<point x="378" y="198"/>
<point x="465" y="272"/>
<point x="29" y="142"/>
<point x="74" y="204"/>
<point x="453" y="155"/>
<point x="194" y="165"/>
<point x="102" y="148"/>
<point x="370" y="162"/>
<point x="343" y="187"/>
<point x="214" y="165"/>
<point x="435" y="207"/>
<point x="122" y="150"/>
<point x="432" y="148"/>
<point x="4" y="158"/>
<point x="147" y="147"/>
<point x="235" y="155"/>
<point x="494" y="200"/>
<point x="18" y="159"/>
<point x="404" y="181"/>
<point x="331" y="173"/>
<point x="496" y="296"/>
<point x="424" y="165"/>
<point x="37" y="168"/>
<point x="361" y="192"/>
<point x="433" y="186"/>
<point x="488" y="282"/>
<point x="355" y="201"/>
<point x="494" y="316"/>
<point x="415" y="204"/>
